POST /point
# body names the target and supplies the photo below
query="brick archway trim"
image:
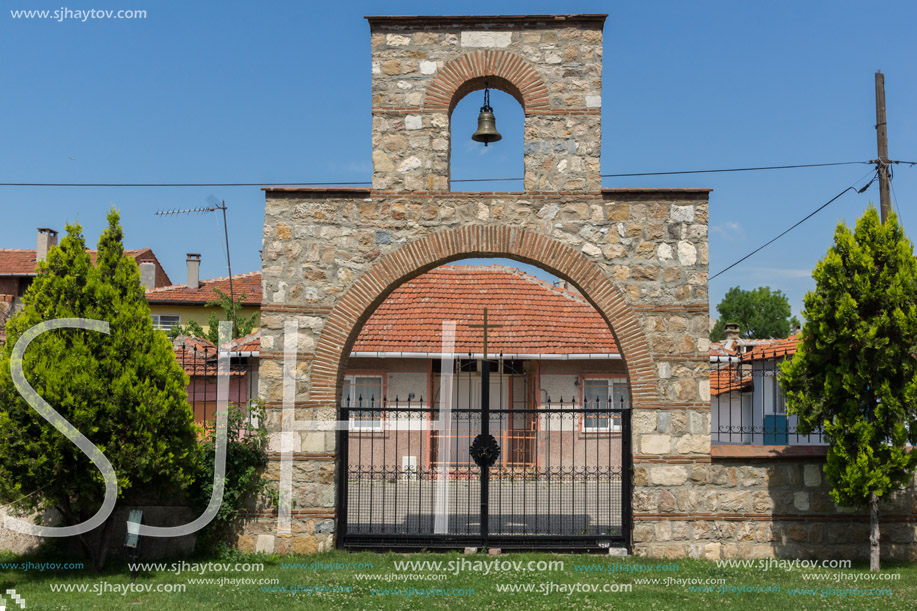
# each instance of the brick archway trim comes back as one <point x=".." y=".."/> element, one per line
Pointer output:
<point x="355" y="306"/>
<point x="507" y="71"/>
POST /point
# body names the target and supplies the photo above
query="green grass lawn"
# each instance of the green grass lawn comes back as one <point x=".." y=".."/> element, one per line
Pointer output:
<point x="353" y="588"/>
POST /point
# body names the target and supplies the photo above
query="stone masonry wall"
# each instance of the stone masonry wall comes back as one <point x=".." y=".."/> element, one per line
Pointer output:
<point x="758" y="508"/>
<point x="332" y="255"/>
<point x="422" y="67"/>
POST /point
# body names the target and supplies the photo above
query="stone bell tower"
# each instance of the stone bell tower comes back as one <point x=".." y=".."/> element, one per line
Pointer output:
<point x="423" y="66"/>
<point x="332" y="255"/>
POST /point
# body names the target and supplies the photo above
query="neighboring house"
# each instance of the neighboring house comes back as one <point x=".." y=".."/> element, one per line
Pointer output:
<point x="18" y="269"/>
<point x="747" y="405"/>
<point x="553" y="351"/>
<point x="199" y="359"/>
<point x="735" y="344"/>
<point x="180" y="304"/>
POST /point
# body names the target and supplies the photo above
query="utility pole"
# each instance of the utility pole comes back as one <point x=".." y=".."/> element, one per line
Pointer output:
<point x="882" y="145"/>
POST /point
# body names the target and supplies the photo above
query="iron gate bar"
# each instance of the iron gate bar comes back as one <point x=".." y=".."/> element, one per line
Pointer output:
<point x="546" y="492"/>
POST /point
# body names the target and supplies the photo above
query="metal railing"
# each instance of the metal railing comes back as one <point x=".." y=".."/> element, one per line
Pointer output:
<point x="747" y="405"/>
<point x="200" y="361"/>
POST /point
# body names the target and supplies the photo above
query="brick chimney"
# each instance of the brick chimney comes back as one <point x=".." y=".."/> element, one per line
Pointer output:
<point x="732" y="331"/>
<point x="46" y="239"/>
<point x="194" y="270"/>
<point x="148" y="274"/>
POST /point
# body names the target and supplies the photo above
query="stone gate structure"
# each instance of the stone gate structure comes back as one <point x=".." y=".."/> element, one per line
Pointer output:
<point x="639" y="256"/>
<point x="332" y="255"/>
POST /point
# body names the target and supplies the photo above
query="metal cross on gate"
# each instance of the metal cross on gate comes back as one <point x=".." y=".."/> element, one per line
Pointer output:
<point x="485" y="326"/>
<point x="484" y="449"/>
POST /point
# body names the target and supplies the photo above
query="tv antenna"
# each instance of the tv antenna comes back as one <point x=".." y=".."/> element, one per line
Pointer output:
<point x="215" y="204"/>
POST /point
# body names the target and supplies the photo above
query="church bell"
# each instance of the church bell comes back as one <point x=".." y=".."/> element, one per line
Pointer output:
<point x="487" y="123"/>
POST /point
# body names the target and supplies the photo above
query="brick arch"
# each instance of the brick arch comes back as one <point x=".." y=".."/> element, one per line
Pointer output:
<point x="357" y="304"/>
<point x="505" y="71"/>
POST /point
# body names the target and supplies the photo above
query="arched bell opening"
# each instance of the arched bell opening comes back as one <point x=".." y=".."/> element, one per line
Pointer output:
<point x="487" y="129"/>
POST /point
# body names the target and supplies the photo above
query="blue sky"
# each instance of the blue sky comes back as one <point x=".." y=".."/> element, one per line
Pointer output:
<point x="278" y="91"/>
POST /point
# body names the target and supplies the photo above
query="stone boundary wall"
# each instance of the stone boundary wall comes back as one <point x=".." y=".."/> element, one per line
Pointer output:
<point x="747" y="508"/>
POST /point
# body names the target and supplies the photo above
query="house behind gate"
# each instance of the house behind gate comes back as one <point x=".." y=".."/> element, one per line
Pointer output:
<point x="552" y="350"/>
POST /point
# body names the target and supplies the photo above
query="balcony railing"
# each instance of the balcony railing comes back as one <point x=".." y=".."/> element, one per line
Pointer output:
<point x="747" y="405"/>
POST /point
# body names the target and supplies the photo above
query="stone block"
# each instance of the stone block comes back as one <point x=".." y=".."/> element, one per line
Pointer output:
<point x="812" y="475"/>
<point x="693" y="444"/>
<point x="737" y="501"/>
<point x="493" y="40"/>
<point x="644" y="532"/>
<point x="665" y="502"/>
<point x="655" y="444"/>
<point x="265" y="544"/>
<point x="797" y="532"/>
<point x="305" y="545"/>
<point x="663" y="531"/>
<point x="668" y="476"/>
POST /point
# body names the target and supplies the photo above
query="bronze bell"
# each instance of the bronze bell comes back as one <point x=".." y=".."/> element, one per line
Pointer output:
<point x="487" y="123"/>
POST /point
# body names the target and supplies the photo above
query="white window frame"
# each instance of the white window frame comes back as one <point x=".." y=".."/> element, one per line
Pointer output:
<point x="357" y="426"/>
<point x="157" y="321"/>
<point x="610" y="384"/>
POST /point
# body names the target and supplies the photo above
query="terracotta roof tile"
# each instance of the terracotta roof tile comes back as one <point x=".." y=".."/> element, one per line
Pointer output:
<point x="17" y="261"/>
<point x="719" y="349"/>
<point x="249" y="283"/>
<point x="537" y="317"/>
<point x="247" y="343"/>
<point x="729" y="378"/>
<point x="772" y="349"/>
<point x="198" y="357"/>
<point x="739" y="376"/>
<point x="21" y="262"/>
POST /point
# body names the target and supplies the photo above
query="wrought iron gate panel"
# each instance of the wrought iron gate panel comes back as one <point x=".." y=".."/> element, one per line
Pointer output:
<point x="561" y="481"/>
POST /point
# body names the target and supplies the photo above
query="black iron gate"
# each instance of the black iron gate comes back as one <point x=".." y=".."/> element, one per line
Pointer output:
<point x="500" y="465"/>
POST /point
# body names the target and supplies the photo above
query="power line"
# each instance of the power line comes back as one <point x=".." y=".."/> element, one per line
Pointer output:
<point x="366" y="182"/>
<point x="797" y="224"/>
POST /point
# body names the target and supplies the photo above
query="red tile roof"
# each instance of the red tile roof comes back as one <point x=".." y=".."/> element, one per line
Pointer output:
<point x="180" y="294"/>
<point x="738" y="376"/>
<point x="198" y="357"/>
<point x="21" y="262"/>
<point x="247" y="343"/>
<point x="719" y="349"/>
<point x="537" y="317"/>
<point x="775" y="348"/>
<point x="17" y="261"/>
<point x="729" y="378"/>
